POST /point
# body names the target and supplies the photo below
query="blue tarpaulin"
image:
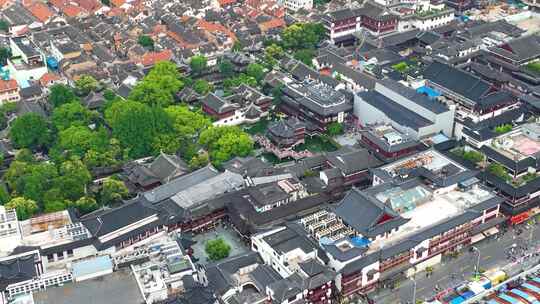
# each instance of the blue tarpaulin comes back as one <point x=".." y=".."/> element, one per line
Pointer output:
<point x="509" y="299"/>
<point x="531" y="287"/>
<point x="431" y="93"/>
<point x="457" y="300"/>
<point x="467" y="294"/>
<point x="52" y="63"/>
<point x="524" y="295"/>
<point x="360" y="241"/>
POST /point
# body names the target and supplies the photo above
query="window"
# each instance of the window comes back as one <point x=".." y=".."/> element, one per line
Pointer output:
<point x="70" y="252"/>
<point x="50" y="258"/>
<point x="60" y="256"/>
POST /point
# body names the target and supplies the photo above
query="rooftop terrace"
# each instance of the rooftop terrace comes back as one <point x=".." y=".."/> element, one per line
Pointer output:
<point x="519" y="144"/>
<point x="430" y="160"/>
<point x="434" y="210"/>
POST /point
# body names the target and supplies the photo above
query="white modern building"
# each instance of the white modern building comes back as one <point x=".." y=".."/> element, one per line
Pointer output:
<point x="404" y="109"/>
<point x="295" y="5"/>
<point x="27" y="61"/>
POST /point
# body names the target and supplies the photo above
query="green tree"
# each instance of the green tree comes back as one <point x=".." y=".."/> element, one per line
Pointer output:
<point x="109" y="95"/>
<point x="150" y="93"/>
<point x="61" y="94"/>
<point x="302" y="36"/>
<point x="217" y="249"/>
<point x="4" y="25"/>
<point x="37" y="180"/>
<point x="78" y="140"/>
<point x="256" y="71"/>
<point x="25" y="207"/>
<point x="146" y="41"/>
<point x="198" y="64"/>
<point x="334" y="128"/>
<point x="202" y="86"/>
<point x="273" y="53"/>
<point x="239" y="80"/>
<point x="73" y="179"/>
<point x="86" y="84"/>
<point x="136" y="125"/>
<point x="112" y="191"/>
<point x="86" y="204"/>
<point x="4" y="195"/>
<point x="5" y="54"/>
<point x="277" y="94"/>
<point x="24" y="155"/>
<point x="226" y="68"/>
<point x="198" y="161"/>
<point x="159" y="86"/>
<point x="186" y="123"/>
<point x="224" y="143"/>
<point x="305" y="55"/>
<point x="167" y="143"/>
<point x="499" y="170"/>
<point x="72" y="114"/>
<point x="55" y="205"/>
<point x="30" y="131"/>
<point x="111" y="156"/>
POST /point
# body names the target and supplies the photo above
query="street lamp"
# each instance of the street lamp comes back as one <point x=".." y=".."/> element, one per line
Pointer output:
<point x="477" y="267"/>
<point x="414" y="291"/>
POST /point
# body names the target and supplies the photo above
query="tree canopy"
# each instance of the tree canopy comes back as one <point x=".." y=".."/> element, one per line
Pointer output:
<point x="217" y="249"/>
<point x="5" y="53"/>
<point x="302" y="36"/>
<point x="224" y="143"/>
<point x="186" y="123"/>
<point x="226" y="68"/>
<point x="198" y="63"/>
<point x="256" y="71"/>
<point x="273" y="53"/>
<point x="61" y="94"/>
<point x="239" y="80"/>
<point x="86" y="84"/>
<point x="334" y="128"/>
<point x="72" y="114"/>
<point x="25" y="207"/>
<point x="136" y="125"/>
<point x="146" y="41"/>
<point x="305" y="55"/>
<point x="202" y="86"/>
<point x="159" y="86"/>
<point x="30" y="131"/>
<point x="78" y="140"/>
<point x="112" y="191"/>
<point x="4" y="25"/>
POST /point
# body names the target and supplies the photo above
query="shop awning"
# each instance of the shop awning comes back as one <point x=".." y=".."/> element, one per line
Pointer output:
<point x="491" y="231"/>
<point x="477" y="238"/>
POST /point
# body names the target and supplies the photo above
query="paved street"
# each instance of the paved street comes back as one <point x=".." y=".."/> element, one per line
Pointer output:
<point x="453" y="271"/>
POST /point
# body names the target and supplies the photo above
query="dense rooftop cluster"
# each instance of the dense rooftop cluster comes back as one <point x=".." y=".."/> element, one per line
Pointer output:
<point x="259" y="151"/>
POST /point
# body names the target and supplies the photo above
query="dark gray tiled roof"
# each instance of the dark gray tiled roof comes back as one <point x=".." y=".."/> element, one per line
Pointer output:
<point x="362" y="212"/>
<point x="394" y="111"/>
<point x="458" y="81"/>
<point x="17" y="270"/>
<point x="355" y="161"/>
